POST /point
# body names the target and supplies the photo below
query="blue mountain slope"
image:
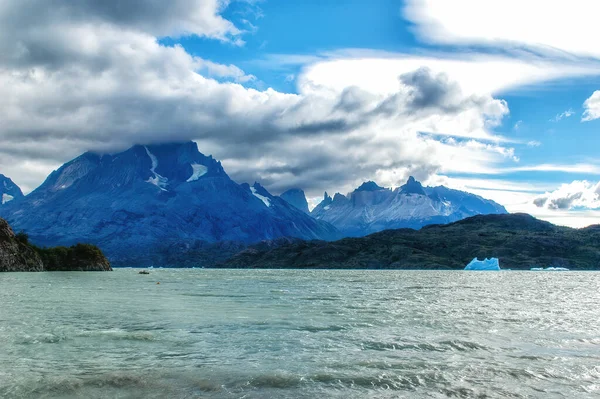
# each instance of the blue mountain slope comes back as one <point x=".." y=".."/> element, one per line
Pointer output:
<point x="372" y="208"/>
<point x="9" y="191"/>
<point x="150" y="197"/>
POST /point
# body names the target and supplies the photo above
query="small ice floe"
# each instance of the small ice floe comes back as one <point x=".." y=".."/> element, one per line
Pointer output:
<point x="549" y="269"/>
<point x="486" y="264"/>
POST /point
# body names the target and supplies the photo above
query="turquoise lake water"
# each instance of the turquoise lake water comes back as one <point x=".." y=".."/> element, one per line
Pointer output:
<point x="299" y="334"/>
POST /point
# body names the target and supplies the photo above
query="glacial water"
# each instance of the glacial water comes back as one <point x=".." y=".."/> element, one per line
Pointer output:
<point x="300" y="334"/>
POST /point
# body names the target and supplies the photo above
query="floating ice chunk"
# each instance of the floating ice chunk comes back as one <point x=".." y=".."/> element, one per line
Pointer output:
<point x="198" y="172"/>
<point x="6" y="197"/>
<point x="486" y="264"/>
<point x="264" y="199"/>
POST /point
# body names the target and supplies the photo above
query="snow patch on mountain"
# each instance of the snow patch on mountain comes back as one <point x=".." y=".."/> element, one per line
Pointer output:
<point x="198" y="172"/>
<point x="8" y="190"/>
<point x="264" y="199"/>
<point x="158" y="180"/>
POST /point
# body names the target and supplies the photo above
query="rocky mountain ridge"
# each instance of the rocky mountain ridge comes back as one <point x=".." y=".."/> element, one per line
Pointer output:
<point x="372" y="208"/>
<point x="149" y="198"/>
<point x="18" y="255"/>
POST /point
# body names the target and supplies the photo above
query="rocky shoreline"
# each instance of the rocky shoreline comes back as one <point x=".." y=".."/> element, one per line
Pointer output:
<point x="17" y="254"/>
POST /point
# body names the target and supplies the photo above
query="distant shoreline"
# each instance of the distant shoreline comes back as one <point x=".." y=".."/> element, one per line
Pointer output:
<point x="345" y="269"/>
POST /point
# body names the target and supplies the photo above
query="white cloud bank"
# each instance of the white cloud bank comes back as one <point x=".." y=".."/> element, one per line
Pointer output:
<point x="575" y="195"/>
<point x="91" y="76"/>
<point x="556" y="27"/>
<point x="592" y="107"/>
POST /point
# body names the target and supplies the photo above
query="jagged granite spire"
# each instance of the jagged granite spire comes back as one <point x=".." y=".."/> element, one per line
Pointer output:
<point x="296" y="198"/>
<point x="412" y="187"/>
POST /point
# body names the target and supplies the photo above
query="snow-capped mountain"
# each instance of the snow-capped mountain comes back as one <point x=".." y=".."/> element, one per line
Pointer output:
<point x="149" y="197"/>
<point x="371" y="208"/>
<point x="297" y="198"/>
<point x="9" y="191"/>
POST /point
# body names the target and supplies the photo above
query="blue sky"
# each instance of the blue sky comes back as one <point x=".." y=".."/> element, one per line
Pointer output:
<point x="302" y="28"/>
<point x="287" y="36"/>
<point x="318" y="94"/>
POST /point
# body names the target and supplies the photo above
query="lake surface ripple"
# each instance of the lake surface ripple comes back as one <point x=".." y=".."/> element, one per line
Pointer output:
<point x="299" y="334"/>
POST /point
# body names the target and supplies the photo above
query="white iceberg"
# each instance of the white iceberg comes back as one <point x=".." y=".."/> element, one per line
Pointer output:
<point x="486" y="264"/>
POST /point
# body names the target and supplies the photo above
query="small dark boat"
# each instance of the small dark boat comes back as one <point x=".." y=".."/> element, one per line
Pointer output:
<point x="144" y="272"/>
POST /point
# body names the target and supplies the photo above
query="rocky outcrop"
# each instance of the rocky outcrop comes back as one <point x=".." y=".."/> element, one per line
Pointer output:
<point x="16" y="256"/>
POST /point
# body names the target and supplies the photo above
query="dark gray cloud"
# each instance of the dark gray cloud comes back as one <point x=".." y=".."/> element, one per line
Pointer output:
<point x="428" y="90"/>
<point x="540" y="202"/>
<point x="57" y="33"/>
<point x="354" y="99"/>
<point x="565" y="202"/>
<point x="574" y="195"/>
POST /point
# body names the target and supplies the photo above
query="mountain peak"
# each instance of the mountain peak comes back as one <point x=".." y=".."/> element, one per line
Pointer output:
<point x="164" y="166"/>
<point x="369" y="186"/>
<point x="182" y="162"/>
<point x="296" y="198"/>
<point x="412" y="186"/>
<point x="339" y="198"/>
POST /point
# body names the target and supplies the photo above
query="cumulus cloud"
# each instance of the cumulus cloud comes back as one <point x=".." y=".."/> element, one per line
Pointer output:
<point x="576" y="195"/>
<point x="90" y="76"/>
<point x="112" y="84"/>
<point x="377" y="71"/>
<point x="512" y="24"/>
<point x="592" y="107"/>
<point x="40" y="30"/>
<point x="212" y="69"/>
<point x="563" y="115"/>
